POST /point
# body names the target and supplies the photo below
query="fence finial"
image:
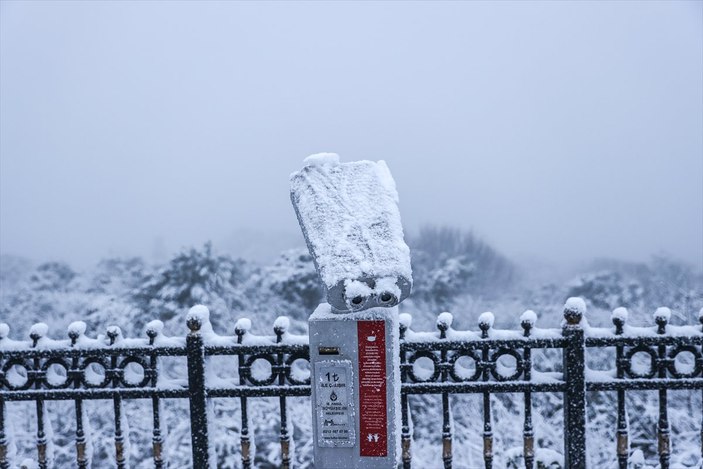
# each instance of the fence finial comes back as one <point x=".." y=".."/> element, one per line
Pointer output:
<point x="37" y="331"/>
<point x="113" y="333"/>
<point x="5" y="330"/>
<point x="619" y="318"/>
<point x="662" y="316"/>
<point x="404" y="321"/>
<point x="153" y="329"/>
<point x="485" y="322"/>
<point x="528" y="319"/>
<point x="241" y="327"/>
<point x="574" y="311"/>
<point x="444" y="322"/>
<point x="198" y="316"/>
<point x="280" y="326"/>
<point x="75" y="330"/>
<point x="700" y="319"/>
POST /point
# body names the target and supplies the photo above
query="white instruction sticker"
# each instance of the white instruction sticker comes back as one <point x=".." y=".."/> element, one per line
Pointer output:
<point x="335" y="404"/>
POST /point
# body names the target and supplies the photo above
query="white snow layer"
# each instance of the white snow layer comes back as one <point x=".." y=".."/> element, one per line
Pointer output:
<point x="355" y="288"/>
<point x="663" y="312"/>
<point x="201" y="313"/>
<point x="487" y="318"/>
<point x="576" y="305"/>
<point x="529" y="317"/>
<point x="445" y="319"/>
<point x="405" y="320"/>
<point x="39" y="330"/>
<point x="321" y="159"/>
<point x="620" y="313"/>
<point x="77" y="327"/>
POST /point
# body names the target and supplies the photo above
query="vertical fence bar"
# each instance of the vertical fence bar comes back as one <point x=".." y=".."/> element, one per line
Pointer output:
<point x="81" y="444"/>
<point x="622" y="438"/>
<point x="623" y="448"/>
<point x="156" y="438"/>
<point x="240" y="329"/>
<point x="41" y="431"/>
<point x="4" y="456"/>
<point x="112" y="333"/>
<point x="661" y="317"/>
<point x="485" y="321"/>
<point x="443" y="323"/>
<point x="279" y="329"/>
<point x="405" y="438"/>
<point x="195" y="349"/>
<point x="119" y="437"/>
<point x="152" y="331"/>
<point x="574" y="376"/>
<point x="41" y="436"/>
<point x="700" y="319"/>
<point x="528" y="434"/>
<point x="245" y="439"/>
<point x="487" y="432"/>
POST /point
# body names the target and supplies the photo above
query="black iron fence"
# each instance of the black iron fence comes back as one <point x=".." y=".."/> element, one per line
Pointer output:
<point x="444" y="362"/>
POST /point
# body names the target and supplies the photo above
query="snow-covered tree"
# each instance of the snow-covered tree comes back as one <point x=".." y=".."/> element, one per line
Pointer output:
<point x="194" y="276"/>
<point x="290" y="286"/>
<point x="448" y="262"/>
<point x="608" y="290"/>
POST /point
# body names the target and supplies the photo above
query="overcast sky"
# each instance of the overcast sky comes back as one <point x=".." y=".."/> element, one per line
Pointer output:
<point x="559" y="131"/>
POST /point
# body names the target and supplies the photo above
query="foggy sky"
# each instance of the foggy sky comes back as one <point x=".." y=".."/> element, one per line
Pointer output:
<point x="559" y="131"/>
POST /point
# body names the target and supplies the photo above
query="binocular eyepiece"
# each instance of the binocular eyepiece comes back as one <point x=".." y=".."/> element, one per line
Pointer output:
<point x="360" y="295"/>
<point x="387" y="299"/>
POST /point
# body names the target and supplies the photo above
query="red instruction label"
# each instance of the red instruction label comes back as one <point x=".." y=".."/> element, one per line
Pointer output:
<point x="373" y="412"/>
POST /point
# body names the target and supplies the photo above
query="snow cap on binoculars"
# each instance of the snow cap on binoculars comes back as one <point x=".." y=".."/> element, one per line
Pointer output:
<point x="349" y="215"/>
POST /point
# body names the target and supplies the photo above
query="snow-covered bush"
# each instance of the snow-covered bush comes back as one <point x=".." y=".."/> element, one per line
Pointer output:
<point x="448" y="262"/>
<point x="194" y="276"/>
<point x="291" y="285"/>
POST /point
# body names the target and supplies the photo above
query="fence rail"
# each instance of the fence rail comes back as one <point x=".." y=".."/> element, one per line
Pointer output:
<point x="444" y="362"/>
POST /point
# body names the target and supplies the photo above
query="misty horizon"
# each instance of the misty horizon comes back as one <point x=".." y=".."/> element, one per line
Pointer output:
<point x="559" y="132"/>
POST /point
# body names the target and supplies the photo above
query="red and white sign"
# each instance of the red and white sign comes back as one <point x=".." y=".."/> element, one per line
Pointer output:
<point x="373" y="411"/>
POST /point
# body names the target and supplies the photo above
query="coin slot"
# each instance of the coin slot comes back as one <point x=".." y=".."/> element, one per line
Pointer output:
<point x="328" y="350"/>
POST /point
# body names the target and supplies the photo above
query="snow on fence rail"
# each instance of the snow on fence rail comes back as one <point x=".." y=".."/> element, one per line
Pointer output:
<point x="444" y="362"/>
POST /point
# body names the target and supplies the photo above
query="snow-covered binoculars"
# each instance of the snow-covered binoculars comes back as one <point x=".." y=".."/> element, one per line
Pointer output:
<point x="348" y="213"/>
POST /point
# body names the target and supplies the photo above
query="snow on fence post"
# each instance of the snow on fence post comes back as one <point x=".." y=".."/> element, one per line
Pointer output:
<point x="661" y="318"/>
<point x="44" y="455"/>
<point x="574" y="376"/>
<point x="241" y="328"/>
<point x="619" y="318"/>
<point x="4" y="458"/>
<point x="4" y="437"/>
<point x="485" y="323"/>
<point x="444" y="322"/>
<point x="195" y="349"/>
<point x="527" y="321"/>
<point x="404" y="321"/>
<point x="114" y="334"/>
<point x="153" y="330"/>
<point x="279" y="328"/>
<point x="84" y="446"/>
